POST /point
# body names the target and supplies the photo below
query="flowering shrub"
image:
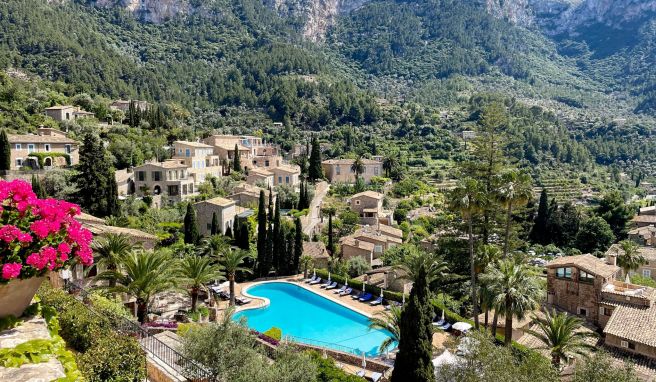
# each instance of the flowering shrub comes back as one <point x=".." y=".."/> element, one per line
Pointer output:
<point x="38" y="235"/>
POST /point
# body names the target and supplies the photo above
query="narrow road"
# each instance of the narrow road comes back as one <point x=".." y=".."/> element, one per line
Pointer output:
<point x="313" y="217"/>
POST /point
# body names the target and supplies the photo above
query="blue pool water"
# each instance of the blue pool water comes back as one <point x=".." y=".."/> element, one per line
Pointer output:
<point x="313" y="319"/>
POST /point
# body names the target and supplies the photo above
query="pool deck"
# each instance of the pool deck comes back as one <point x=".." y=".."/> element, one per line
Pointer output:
<point x="363" y="308"/>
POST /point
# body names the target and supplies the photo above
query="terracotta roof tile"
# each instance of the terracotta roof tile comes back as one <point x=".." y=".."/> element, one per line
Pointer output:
<point x="588" y="263"/>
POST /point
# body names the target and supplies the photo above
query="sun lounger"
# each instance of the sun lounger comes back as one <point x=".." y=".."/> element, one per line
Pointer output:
<point x="360" y="373"/>
<point x="357" y="295"/>
<point x="375" y="377"/>
<point x="325" y="284"/>
<point x="340" y="290"/>
<point x="346" y="292"/>
<point x="316" y="281"/>
<point x="445" y="327"/>
<point x="439" y="322"/>
<point x="311" y="279"/>
<point x="366" y="297"/>
<point x="377" y="301"/>
<point x="242" y="301"/>
<point x="332" y="286"/>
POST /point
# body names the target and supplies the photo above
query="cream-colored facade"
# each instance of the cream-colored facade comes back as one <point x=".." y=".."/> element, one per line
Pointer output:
<point x="66" y="113"/>
<point x="339" y="170"/>
<point x="169" y="178"/>
<point x="199" y="159"/>
<point x="225" y="210"/>
<point x="45" y="141"/>
<point x="286" y="175"/>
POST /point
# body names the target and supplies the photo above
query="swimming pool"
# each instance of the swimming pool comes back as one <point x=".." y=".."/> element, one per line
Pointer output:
<point x="311" y="318"/>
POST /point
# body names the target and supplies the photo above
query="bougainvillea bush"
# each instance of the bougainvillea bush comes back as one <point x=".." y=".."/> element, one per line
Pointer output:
<point x="38" y="235"/>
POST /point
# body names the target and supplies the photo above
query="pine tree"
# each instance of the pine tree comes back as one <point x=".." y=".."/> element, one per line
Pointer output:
<point x="5" y="151"/>
<point x="263" y="269"/>
<point x="315" y="171"/>
<point x="191" y="235"/>
<point x="38" y="188"/>
<point x="236" y="164"/>
<point x="244" y="236"/>
<point x="214" y="228"/>
<point x="539" y="232"/>
<point x="413" y="360"/>
<point x="92" y="176"/>
<point x="298" y="245"/>
<point x="113" y="208"/>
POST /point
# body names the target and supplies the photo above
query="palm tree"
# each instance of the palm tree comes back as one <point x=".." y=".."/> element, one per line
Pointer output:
<point x="143" y="274"/>
<point x="232" y="262"/>
<point x="306" y="263"/>
<point x="629" y="259"/>
<point x="109" y="250"/>
<point x="196" y="271"/>
<point x="515" y="290"/>
<point x="390" y="161"/>
<point x="516" y="189"/>
<point x="468" y="199"/>
<point x="357" y="167"/>
<point x="388" y="320"/>
<point x="488" y="255"/>
<point x="416" y="262"/>
<point x="560" y="334"/>
<point x="214" y="246"/>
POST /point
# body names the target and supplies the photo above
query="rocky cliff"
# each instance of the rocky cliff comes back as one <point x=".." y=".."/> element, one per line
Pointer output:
<point x="154" y="11"/>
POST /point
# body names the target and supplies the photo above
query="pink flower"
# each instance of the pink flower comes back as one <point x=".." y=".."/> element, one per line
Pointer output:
<point x="35" y="260"/>
<point x="11" y="270"/>
<point x="85" y="255"/>
<point x="64" y="248"/>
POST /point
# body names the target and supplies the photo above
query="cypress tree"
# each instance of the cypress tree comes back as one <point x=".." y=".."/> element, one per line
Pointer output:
<point x="244" y="236"/>
<point x="331" y="244"/>
<point x="92" y="177"/>
<point x="5" y="151"/>
<point x="278" y="240"/>
<point x="236" y="164"/>
<point x="302" y="203"/>
<point x="413" y="360"/>
<point x="113" y="208"/>
<point x="288" y="256"/>
<point x="214" y="229"/>
<point x="298" y="245"/>
<point x="191" y="235"/>
<point x="315" y="171"/>
<point x="228" y="232"/>
<point x="261" y="237"/>
<point x="37" y="187"/>
<point x="539" y="232"/>
<point x="269" y="248"/>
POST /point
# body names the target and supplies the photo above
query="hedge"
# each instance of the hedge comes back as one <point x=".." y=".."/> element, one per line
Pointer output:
<point x="41" y="157"/>
<point x="357" y="284"/>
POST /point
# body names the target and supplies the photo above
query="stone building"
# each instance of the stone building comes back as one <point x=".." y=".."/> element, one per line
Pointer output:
<point x="56" y="149"/>
<point x="286" y="175"/>
<point x="66" y="113"/>
<point x="318" y="252"/>
<point x="169" y="178"/>
<point x="589" y="287"/>
<point x="369" y="206"/>
<point x="225" y="209"/>
<point x="339" y="170"/>
<point x="260" y="176"/>
<point x="352" y="247"/>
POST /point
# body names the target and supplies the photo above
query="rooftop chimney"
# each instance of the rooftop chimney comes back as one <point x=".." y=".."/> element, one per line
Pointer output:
<point x="611" y="259"/>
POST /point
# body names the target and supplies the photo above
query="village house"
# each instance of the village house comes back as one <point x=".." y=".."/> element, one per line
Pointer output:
<point x="318" y="252"/>
<point x="124" y="105"/>
<point x="589" y="287"/>
<point x="199" y="159"/>
<point x="339" y="170"/>
<point x="286" y="174"/>
<point x="259" y="176"/>
<point x="124" y="182"/>
<point x="169" y="178"/>
<point x="352" y="247"/>
<point x="379" y="239"/>
<point x="248" y="196"/>
<point x="53" y="146"/>
<point x="648" y="253"/>
<point x="644" y="235"/>
<point x="645" y="218"/>
<point x="369" y="206"/>
<point x="67" y="113"/>
<point x="226" y="211"/>
<point x="224" y="147"/>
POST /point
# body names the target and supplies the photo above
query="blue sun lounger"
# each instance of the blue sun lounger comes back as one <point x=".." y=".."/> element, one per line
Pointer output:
<point x="346" y="292"/>
<point x="332" y="286"/>
<point x="315" y="282"/>
<point x="377" y="301"/>
<point x="366" y="297"/>
<point x="340" y="290"/>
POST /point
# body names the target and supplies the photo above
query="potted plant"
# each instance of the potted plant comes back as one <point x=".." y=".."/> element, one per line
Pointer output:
<point x="36" y="236"/>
